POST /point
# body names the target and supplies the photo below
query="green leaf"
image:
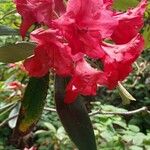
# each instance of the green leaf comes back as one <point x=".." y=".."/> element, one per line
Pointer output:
<point x="146" y="34"/>
<point x="5" y="111"/>
<point x="74" y="118"/>
<point x="107" y="135"/>
<point x="124" y="4"/>
<point x="16" y="52"/>
<point x="32" y="105"/>
<point x="8" y="13"/>
<point x="134" y="147"/>
<point x="134" y="128"/>
<point x="61" y="134"/>
<point x="14" y="111"/>
<point x="120" y="124"/>
<point x="125" y="95"/>
<point x="139" y="138"/>
<point x="127" y="138"/>
<point x="40" y="132"/>
<point x="7" y="106"/>
<point x="5" y="30"/>
<point x="49" y="126"/>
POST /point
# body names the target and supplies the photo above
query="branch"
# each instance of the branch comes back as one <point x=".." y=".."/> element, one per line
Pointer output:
<point x="143" y="109"/>
<point x="50" y="109"/>
<point x="16" y="115"/>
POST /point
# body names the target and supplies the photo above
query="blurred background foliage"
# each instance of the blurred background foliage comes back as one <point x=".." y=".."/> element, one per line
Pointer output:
<point x="113" y="132"/>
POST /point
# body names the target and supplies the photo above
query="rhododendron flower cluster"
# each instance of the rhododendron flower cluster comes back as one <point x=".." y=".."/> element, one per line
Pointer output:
<point x="75" y="34"/>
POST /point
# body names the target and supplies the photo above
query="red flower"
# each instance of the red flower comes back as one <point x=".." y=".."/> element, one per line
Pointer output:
<point x="108" y="3"/>
<point x="85" y="24"/>
<point x="59" y="7"/>
<point x="129" y="23"/>
<point x="80" y="33"/>
<point x="84" y="81"/>
<point x="50" y="53"/>
<point x="34" y="11"/>
<point x="119" y="58"/>
<point x="117" y="64"/>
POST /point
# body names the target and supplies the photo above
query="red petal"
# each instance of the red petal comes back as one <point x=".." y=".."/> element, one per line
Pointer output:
<point x="119" y="58"/>
<point x="37" y="65"/>
<point x="59" y="7"/>
<point x="51" y="53"/>
<point x="25" y="25"/>
<point x="84" y="81"/>
<point x="33" y="11"/>
<point x="129" y="23"/>
<point x="82" y="21"/>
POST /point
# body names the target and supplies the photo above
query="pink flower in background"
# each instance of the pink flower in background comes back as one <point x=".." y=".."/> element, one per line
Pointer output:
<point x="17" y="66"/>
<point x="12" y="65"/>
<point x="15" y="85"/>
<point x="32" y="148"/>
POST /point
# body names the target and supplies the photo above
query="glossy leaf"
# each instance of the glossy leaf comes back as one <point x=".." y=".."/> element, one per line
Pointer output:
<point x="32" y="105"/>
<point x="16" y="52"/>
<point x="74" y="118"/>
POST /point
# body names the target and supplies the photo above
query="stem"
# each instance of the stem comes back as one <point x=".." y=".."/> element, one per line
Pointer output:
<point x="143" y="109"/>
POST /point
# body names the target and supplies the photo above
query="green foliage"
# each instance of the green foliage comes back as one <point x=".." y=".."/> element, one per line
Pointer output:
<point x="16" y="52"/>
<point x="115" y="132"/>
<point x="125" y="4"/>
<point x="112" y="132"/>
<point x="4" y="30"/>
<point x="6" y="17"/>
